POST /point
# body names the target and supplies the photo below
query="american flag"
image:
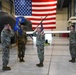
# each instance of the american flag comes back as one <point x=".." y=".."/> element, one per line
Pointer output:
<point x="39" y="8"/>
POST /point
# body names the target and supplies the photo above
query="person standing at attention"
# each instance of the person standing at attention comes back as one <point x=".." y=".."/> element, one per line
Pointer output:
<point x="72" y="40"/>
<point x="21" y="42"/>
<point x="40" y="39"/>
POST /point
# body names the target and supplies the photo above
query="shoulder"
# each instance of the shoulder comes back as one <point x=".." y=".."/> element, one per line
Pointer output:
<point x="3" y="31"/>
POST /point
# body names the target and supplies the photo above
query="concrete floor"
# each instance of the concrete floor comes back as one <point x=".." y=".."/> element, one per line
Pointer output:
<point x="56" y="60"/>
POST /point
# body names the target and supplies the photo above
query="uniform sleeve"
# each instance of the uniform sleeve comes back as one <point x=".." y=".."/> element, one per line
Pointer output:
<point x="11" y="33"/>
<point x="16" y="36"/>
<point x="4" y="41"/>
<point x="2" y="37"/>
<point x="25" y="38"/>
<point x="43" y="37"/>
<point x="75" y="37"/>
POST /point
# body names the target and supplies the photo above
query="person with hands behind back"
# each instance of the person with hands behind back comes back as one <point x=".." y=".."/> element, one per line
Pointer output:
<point x="72" y="40"/>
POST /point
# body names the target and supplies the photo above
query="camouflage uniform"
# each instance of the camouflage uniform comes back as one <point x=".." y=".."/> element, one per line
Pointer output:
<point x="6" y="42"/>
<point x="22" y="39"/>
<point x="40" y="39"/>
<point x="72" y="40"/>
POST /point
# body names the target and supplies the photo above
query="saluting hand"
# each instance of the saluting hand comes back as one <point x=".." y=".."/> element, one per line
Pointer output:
<point x="10" y="27"/>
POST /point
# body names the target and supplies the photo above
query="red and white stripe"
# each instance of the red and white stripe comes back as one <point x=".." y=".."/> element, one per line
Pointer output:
<point x="40" y="8"/>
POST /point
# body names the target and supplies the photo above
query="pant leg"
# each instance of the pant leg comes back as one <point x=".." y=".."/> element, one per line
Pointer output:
<point x="23" y="50"/>
<point x="73" y="51"/>
<point x="40" y="51"/>
<point x="5" y="56"/>
<point x="19" y="50"/>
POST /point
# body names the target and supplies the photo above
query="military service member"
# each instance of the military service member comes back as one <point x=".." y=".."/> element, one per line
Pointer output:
<point x="22" y="40"/>
<point x="72" y="40"/>
<point x="6" y="35"/>
<point x="40" y="39"/>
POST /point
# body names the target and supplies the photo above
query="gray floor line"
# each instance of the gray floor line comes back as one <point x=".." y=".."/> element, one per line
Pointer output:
<point x="50" y="60"/>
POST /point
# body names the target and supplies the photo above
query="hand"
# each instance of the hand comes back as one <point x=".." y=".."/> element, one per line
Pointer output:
<point x="10" y="27"/>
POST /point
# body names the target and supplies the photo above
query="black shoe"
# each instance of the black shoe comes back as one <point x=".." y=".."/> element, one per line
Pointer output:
<point x="72" y="60"/>
<point x="23" y="60"/>
<point x="40" y="65"/>
<point x="20" y="60"/>
<point x="6" y="68"/>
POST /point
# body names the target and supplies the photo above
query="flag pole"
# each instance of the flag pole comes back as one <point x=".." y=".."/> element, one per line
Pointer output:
<point x="41" y="21"/>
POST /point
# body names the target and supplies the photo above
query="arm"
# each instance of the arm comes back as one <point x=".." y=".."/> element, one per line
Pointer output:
<point x="11" y="33"/>
<point x="43" y="36"/>
<point x="25" y="37"/>
<point x="75" y="37"/>
<point x="4" y="41"/>
<point x="16" y="34"/>
<point x="34" y="32"/>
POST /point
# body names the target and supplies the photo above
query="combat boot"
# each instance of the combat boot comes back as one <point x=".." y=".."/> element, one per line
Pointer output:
<point x="22" y="60"/>
<point x="6" y="68"/>
<point x="40" y="64"/>
<point x="72" y="60"/>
